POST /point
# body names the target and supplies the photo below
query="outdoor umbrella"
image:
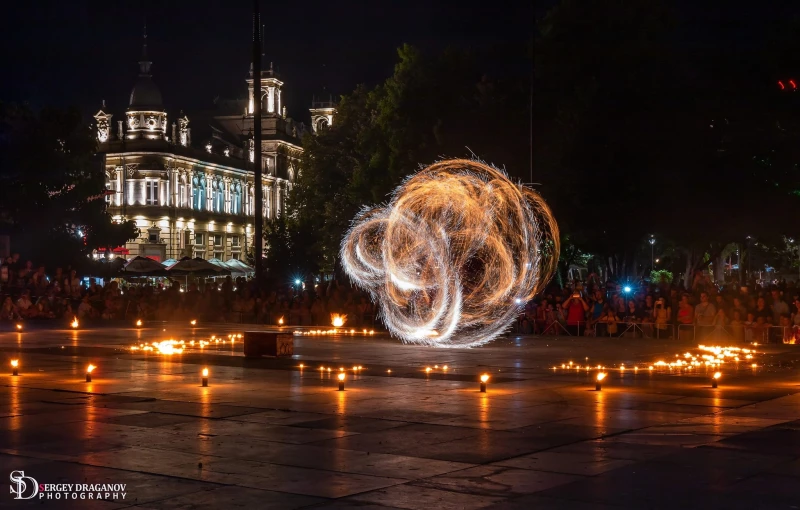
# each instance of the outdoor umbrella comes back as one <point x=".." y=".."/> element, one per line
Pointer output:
<point x="169" y="263"/>
<point x="142" y="266"/>
<point x="196" y="267"/>
<point x="240" y="267"/>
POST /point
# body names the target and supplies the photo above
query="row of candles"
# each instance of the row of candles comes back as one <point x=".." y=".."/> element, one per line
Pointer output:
<point x="484" y="378"/>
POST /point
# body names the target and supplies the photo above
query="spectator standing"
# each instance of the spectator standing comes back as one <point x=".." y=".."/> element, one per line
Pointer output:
<point x="576" y="308"/>
<point x="705" y="313"/>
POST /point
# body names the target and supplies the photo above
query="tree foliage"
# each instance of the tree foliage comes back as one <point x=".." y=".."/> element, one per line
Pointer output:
<point x="52" y="187"/>
<point x="433" y="106"/>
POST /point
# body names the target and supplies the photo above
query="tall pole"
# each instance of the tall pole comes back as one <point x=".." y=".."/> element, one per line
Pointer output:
<point x="258" y="217"/>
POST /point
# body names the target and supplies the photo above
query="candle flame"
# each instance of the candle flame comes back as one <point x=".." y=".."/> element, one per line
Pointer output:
<point x="74" y="322"/>
<point x="601" y="376"/>
<point x="90" y="368"/>
<point x="14" y="363"/>
<point x="717" y="375"/>
<point x="193" y="322"/>
<point x="280" y="321"/>
<point x="205" y="372"/>
<point x="338" y="320"/>
<point x="484" y="378"/>
<point x="341" y="376"/>
<point x="139" y="322"/>
<point x="19" y="326"/>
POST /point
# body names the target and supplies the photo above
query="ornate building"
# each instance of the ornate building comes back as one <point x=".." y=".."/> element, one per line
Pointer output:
<point x="196" y="199"/>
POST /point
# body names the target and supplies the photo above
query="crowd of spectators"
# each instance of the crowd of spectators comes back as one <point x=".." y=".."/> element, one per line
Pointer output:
<point x="29" y="293"/>
<point x="751" y="313"/>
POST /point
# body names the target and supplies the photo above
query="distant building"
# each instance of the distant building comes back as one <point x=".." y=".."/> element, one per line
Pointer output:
<point x="189" y="196"/>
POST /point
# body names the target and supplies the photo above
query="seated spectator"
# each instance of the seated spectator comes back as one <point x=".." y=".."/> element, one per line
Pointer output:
<point x="85" y="309"/>
<point x="25" y="305"/>
<point x="9" y="312"/>
<point x="749" y="326"/>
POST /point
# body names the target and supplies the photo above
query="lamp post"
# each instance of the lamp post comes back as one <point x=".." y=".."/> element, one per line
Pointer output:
<point x="749" y="257"/>
<point x="652" y="242"/>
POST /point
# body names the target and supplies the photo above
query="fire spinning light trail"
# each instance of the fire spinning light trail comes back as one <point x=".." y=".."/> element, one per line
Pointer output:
<point x="453" y="253"/>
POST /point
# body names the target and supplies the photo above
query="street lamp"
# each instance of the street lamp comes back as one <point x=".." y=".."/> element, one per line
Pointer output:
<point x="652" y="242"/>
<point x="749" y="256"/>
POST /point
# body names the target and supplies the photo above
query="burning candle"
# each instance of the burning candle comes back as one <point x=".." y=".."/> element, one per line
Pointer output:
<point x="14" y="367"/>
<point x="89" y="370"/>
<point x="341" y="381"/>
<point x="598" y="383"/>
<point x="205" y="377"/>
<point x="484" y="380"/>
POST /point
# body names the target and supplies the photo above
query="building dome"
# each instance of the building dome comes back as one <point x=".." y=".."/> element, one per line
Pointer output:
<point x="145" y="94"/>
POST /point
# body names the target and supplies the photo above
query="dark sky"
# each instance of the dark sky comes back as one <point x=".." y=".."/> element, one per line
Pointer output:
<point x="81" y="52"/>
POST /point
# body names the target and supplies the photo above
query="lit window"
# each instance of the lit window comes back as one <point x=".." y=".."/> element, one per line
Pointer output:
<point x="152" y="192"/>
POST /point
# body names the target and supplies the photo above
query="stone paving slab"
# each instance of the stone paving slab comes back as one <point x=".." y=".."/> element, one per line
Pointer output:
<point x="266" y="434"/>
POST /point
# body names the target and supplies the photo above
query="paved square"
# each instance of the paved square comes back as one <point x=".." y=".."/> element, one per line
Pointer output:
<point x="266" y="433"/>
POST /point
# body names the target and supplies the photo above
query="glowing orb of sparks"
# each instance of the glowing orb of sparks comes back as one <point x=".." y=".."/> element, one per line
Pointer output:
<point x="338" y="320"/>
<point x="452" y="252"/>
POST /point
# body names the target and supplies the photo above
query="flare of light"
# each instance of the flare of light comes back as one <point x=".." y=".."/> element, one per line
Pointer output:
<point x="338" y="320"/>
<point x="457" y="243"/>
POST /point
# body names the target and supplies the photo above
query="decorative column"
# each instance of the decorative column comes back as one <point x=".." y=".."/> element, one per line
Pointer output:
<point x="271" y="99"/>
<point x="227" y="204"/>
<point x="209" y="194"/>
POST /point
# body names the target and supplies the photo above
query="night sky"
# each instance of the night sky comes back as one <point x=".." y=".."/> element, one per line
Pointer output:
<point x="81" y="52"/>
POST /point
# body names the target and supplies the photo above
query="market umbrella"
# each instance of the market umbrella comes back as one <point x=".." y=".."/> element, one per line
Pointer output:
<point x="170" y="262"/>
<point x="196" y="267"/>
<point x="240" y="267"/>
<point x="143" y="266"/>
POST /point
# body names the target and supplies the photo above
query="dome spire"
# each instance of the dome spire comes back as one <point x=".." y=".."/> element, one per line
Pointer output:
<point x="144" y="63"/>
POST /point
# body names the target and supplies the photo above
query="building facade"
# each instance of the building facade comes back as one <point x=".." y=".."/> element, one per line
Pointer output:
<point x="193" y="197"/>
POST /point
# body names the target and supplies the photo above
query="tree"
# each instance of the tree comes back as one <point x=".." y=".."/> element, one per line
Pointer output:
<point x="52" y="187"/>
<point x="447" y="104"/>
